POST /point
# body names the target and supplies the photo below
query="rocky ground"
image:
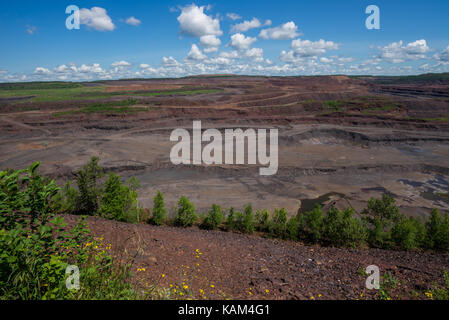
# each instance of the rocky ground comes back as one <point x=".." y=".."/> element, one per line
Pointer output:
<point x="250" y="267"/>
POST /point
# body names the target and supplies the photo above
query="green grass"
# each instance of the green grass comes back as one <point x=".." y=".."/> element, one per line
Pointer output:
<point x="38" y="85"/>
<point x="54" y="94"/>
<point x="120" y="107"/>
<point x="333" y="105"/>
<point x="441" y="119"/>
<point x="177" y="92"/>
<point x="375" y="110"/>
<point x="56" y="91"/>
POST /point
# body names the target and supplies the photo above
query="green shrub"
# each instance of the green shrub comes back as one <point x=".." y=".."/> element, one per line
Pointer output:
<point x="378" y="237"/>
<point x="65" y="200"/>
<point x="186" y="215"/>
<point x="263" y="222"/>
<point x="279" y="223"/>
<point x="407" y="234"/>
<point x="36" y="247"/>
<point x="442" y="293"/>
<point x="244" y="222"/>
<point x="384" y="209"/>
<point x="159" y="211"/>
<point x="342" y="229"/>
<point x="437" y="231"/>
<point x="230" y="220"/>
<point x="119" y="201"/>
<point x="311" y="225"/>
<point x="421" y="232"/>
<point x="293" y="228"/>
<point x="213" y="219"/>
<point x="380" y="216"/>
<point x="89" y="189"/>
<point x="247" y="224"/>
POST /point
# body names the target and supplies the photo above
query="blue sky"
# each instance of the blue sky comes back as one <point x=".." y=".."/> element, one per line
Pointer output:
<point x="141" y="38"/>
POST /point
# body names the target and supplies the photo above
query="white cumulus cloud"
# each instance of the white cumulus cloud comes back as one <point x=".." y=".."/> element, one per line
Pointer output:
<point x="241" y="42"/>
<point x="169" y="62"/>
<point x="443" y="56"/>
<point x="246" y="25"/>
<point x="194" y="22"/>
<point x="256" y="54"/>
<point x="233" y="16"/>
<point x="287" y="31"/>
<point x="133" y="21"/>
<point x="195" y="54"/>
<point x="96" y="18"/>
<point x="42" y="71"/>
<point x="307" y="48"/>
<point x="210" y="43"/>
<point x="397" y="52"/>
<point x="122" y="63"/>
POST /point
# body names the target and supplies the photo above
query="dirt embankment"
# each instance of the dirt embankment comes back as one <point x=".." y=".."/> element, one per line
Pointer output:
<point x="236" y="265"/>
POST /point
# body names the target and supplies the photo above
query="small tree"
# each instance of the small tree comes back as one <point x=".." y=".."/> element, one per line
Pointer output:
<point x="186" y="215"/>
<point x="247" y="224"/>
<point x="437" y="231"/>
<point x="311" y="225"/>
<point x="119" y="201"/>
<point x="263" y="222"/>
<point x="380" y="216"/>
<point x="342" y="229"/>
<point x="384" y="209"/>
<point x="293" y="228"/>
<point x="88" y="201"/>
<point x="405" y="234"/>
<point x="230" y="221"/>
<point x="213" y="219"/>
<point x="159" y="211"/>
<point x="279" y="223"/>
<point x="244" y="222"/>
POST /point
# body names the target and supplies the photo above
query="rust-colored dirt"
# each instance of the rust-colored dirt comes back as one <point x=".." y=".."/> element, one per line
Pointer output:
<point x="238" y="264"/>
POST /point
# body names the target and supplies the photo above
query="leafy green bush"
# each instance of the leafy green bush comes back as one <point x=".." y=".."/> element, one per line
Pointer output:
<point x="119" y="201"/>
<point x="437" y="231"/>
<point x="292" y="232"/>
<point x="311" y="225"/>
<point x="89" y="189"/>
<point x="159" y="211"/>
<point x="380" y="217"/>
<point x="279" y="223"/>
<point x="263" y="221"/>
<point x="384" y="209"/>
<point x="65" y="200"/>
<point x="36" y="248"/>
<point x="230" y="220"/>
<point x="213" y="219"/>
<point x="243" y="222"/>
<point x="247" y="224"/>
<point x="342" y="229"/>
<point x="442" y="293"/>
<point x="378" y="237"/>
<point x="186" y="215"/>
<point x="407" y="234"/>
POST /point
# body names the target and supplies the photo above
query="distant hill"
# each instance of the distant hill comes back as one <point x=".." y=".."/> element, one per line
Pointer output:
<point x="432" y="78"/>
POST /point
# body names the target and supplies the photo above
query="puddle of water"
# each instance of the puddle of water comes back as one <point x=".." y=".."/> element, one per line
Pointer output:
<point x="439" y="182"/>
<point x="380" y="190"/>
<point x="415" y="184"/>
<point x="310" y="204"/>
